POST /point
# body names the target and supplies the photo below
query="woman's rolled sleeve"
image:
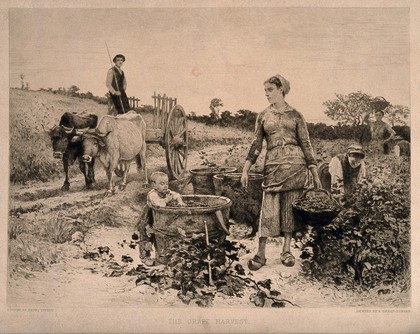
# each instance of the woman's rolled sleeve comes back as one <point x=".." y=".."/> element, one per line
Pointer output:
<point x="303" y="138"/>
<point x="257" y="144"/>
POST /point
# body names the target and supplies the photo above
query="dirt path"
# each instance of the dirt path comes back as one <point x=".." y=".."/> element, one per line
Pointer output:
<point x="76" y="281"/>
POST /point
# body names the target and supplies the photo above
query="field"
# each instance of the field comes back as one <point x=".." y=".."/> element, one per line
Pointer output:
<point x="76" y="248"/>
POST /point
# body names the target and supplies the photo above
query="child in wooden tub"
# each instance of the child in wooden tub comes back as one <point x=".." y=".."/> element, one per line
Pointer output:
<point x="159" y="196"/>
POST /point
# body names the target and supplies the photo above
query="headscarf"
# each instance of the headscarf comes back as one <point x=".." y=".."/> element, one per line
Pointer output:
<point x="285" y="83"/>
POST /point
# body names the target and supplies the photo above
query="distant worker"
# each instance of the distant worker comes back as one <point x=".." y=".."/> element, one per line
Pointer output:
<point x="117" y="84"/>
<point x="402" y="147"/>
<point x="344" y="173"/>
<point x="381" y="132"/>
<point x="215" y="105"/>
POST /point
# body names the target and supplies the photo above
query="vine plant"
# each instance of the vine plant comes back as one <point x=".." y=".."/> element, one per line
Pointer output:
<point x="201" y="270"/>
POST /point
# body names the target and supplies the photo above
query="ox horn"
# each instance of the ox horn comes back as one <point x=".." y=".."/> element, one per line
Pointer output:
<point x="80" y="132"/>
<point x="67" y="130"/>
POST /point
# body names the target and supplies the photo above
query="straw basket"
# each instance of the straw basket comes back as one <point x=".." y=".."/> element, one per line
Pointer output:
<point x="316" y="207"/>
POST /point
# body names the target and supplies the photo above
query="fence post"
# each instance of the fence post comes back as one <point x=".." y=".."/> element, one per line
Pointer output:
<point x="154" y="110"/>
<point x="159" y="110"/>
<point x="163" y="111"/>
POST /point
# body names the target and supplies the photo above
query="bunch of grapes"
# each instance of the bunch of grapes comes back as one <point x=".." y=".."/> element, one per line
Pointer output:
<point x="318" y="203"/>
<point x="188" y="203"/>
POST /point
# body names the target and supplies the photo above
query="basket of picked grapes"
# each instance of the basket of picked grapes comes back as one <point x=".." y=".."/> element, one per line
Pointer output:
<point x="316" y="207"/>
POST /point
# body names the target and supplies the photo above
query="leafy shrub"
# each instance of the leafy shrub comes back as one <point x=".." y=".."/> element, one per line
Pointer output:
<point x="403" y="131"/>
<point x="369" y="242"/>
<point x="199" y="270"/>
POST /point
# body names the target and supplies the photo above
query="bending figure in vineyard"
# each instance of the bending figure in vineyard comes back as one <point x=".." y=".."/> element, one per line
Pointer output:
<point x="159" y="196"/>
<point x="401" y="147"/>
<point x="345" y="172"/>
<point x="289" y="158"/>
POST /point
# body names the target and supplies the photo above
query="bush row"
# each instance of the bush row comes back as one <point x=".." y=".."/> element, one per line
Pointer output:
<point x="245" y="120"/>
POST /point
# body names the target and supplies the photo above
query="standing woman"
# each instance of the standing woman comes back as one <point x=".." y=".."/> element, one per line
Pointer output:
<point x="289" y="156"/>
<point x="382" y="133"/>
<point x="117" y="84"/>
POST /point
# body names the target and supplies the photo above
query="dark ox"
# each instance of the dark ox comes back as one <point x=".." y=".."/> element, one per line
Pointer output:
<point x="117" y="141"/>
<point x="67" y="150"/>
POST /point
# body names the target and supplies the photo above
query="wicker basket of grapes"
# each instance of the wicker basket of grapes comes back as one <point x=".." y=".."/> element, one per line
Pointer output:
<point x="316" y="207"/>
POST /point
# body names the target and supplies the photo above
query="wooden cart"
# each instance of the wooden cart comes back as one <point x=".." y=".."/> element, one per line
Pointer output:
<point x="170" y="130"/>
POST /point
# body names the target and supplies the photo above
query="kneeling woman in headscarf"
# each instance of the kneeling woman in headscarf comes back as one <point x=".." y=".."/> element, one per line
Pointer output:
<point x="289" y="158"/>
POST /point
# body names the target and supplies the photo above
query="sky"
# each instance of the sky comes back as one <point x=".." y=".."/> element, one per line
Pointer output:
<point x="197" y="54"/>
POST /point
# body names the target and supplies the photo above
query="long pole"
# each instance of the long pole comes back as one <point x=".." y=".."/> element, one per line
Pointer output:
<point x="208" y="255"/>
<point x="115" y="78"/>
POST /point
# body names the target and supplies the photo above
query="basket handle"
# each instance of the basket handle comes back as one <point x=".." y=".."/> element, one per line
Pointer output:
<point x="315" y="189"/>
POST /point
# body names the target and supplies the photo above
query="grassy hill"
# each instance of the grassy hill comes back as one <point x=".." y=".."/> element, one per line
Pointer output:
<point x="30" y="147"/>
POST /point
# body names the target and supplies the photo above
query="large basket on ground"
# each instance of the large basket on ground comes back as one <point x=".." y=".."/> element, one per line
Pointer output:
<point x="173" y="223"/>
<point x="316" y="207"/>
<point x="202" y="178"/>
<point x="246" y="204"/>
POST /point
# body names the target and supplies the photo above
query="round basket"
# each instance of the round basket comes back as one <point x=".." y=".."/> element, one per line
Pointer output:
<point x="202" y="178"/>
<point x="316" y="207"/>
<point x="379" y="103"/>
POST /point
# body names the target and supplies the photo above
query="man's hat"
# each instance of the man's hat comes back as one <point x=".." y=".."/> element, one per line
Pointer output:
<point x="118" y="56"/>
<point x="357" y="149"/>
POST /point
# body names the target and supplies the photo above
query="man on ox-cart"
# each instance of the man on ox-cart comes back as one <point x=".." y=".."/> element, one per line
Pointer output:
<point x="117" y="84"/>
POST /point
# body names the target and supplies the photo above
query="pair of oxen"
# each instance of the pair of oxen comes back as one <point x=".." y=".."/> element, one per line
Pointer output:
<point x="115" y="140"/>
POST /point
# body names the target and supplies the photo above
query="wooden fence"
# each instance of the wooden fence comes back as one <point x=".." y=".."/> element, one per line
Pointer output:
<point x="162" y="106"/>
<point x="134" y="102"/>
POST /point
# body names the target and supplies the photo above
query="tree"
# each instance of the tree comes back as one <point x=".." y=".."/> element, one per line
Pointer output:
<point x="72" y="91"/>
<point x="215" y="105"/>
<point x="348" y="109"/>
<point x="398" y="114"/>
